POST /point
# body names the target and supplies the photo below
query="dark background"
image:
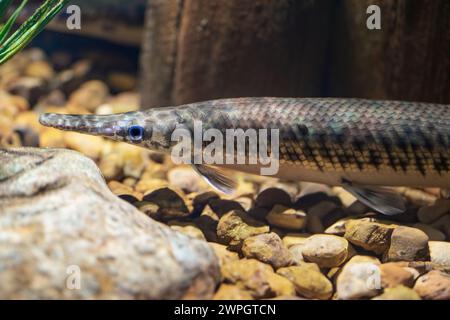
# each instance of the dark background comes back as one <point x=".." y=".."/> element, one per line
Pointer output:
<point x="196" y="50"/>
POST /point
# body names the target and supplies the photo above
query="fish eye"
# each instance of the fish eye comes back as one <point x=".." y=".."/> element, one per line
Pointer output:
<point x="136" y="133"/>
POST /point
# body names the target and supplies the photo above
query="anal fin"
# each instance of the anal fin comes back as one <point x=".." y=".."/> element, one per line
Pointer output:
<point x="381" y="199"/>
<point x="216" y="178"/>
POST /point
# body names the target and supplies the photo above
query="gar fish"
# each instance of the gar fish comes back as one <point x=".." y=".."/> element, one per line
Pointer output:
<point x="363" y="145"/>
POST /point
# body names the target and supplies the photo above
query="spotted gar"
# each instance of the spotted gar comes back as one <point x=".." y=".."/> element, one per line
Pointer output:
<point x="362" y="145"/>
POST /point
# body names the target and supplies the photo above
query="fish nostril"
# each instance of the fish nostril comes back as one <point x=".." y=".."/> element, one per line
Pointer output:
<point x="136" y="133"/>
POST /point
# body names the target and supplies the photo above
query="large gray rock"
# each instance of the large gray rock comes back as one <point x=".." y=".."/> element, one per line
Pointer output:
<point x="63" y="234"/>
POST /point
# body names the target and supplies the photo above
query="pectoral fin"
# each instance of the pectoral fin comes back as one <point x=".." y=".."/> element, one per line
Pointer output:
<point x="383" y="200"/>
<point x="217" y="178"/>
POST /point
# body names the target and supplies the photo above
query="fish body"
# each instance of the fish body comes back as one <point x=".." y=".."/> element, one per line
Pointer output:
<point x="350" y="142"/>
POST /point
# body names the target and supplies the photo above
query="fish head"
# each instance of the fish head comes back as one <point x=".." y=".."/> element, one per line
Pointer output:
<point x="142" y="128"/>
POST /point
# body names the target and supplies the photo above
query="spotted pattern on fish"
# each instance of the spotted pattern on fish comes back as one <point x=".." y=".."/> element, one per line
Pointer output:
<point x="326" y="135"/>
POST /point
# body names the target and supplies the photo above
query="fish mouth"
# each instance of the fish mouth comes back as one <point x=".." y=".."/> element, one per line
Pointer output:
<point x="106" y="125"/>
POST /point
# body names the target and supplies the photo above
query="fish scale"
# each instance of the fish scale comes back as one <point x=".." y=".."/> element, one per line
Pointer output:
<point x="325" y="140"/>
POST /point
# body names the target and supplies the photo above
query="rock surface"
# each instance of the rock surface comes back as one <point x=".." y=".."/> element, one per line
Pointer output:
<point x="360" y="278"/>
<point x="308" y="280"/>
<point x="434" y="285"/>
<point x="369" y="235"/>
<point x="267" y="248"/>
<point x="62" y="229"/>
<point x="408" y="244"/>
<point x="327" y="251"/>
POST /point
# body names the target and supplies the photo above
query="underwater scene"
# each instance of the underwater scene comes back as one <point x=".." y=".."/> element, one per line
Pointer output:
<point x="225" y="150"/>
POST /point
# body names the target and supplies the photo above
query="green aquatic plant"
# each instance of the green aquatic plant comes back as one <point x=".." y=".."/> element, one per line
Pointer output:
<point x="12" y="42"/>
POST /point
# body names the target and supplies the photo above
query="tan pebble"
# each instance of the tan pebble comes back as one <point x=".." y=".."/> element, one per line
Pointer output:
<point x="52" y="138"/>
<point x="398" y="293"/>
<point x="251" y="275"/>
<point x="90" y="146"/>
<point x="432" y="213"/>
<point x="287" y="218"/>
<point x="407" y="244"/>
<point x="393" y="275"/>
<point x="360" y="278"/>
<point x="440" y="253"/>
<point x="309" y="282"/>
<point x="236" y="226"/>
<point x="232" y="292"/>
<point x="327" y="251"/>
<point x="40" y="69"/>
<point x="267" y="248"/>
<point x="369" y="235"/>
<point x="434" y="285"/>
<point x="90" y="95"/>
<point x="118" y="187"/>
<point x="131" y="182"/>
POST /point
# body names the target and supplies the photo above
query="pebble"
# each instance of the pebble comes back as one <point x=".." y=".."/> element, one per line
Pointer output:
<point x="360" y="278"/>
<point x="430" y="214"/>
<point x="398" y="293"/>
<point x="309" y="282"/>
<point x="149" y="185"/>
<point x="392" y="275"/>
<point x="369" y="235"/>
<point x="190" y="231"/>
<point x="287" y="218"/>
<point x="90" y="146"/>
<point x="258" y="278"/>
<point x="327" y="251"/>
<point x="267" y="248"/>
<point x="435" y="285"/>
<point x="171" y="203"/>
<point x="440" y="253"/>
<point x="269" y="197"/>
<point x="223" y="206"/>
<point x="90" y="95"/>
<point x="407" y="244"/>
<point x="236" y="226"/>
<point x="232" y="292"/>
<point x="40" y="69"/>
